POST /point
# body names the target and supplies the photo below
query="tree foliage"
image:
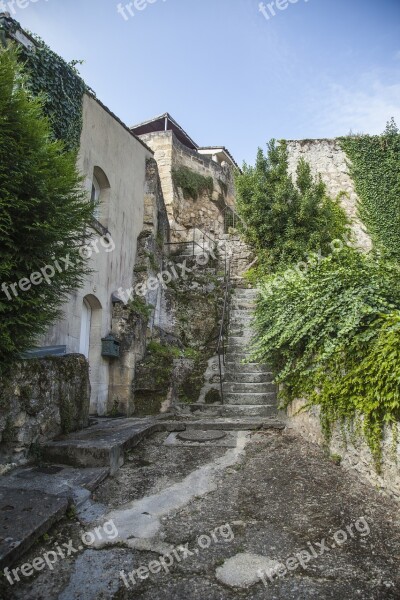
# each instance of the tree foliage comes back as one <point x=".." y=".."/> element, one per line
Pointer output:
<point x="285" y="219"/>
<point x="43" y="214"/>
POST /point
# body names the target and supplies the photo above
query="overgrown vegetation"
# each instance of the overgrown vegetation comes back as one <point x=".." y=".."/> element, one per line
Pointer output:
<point x="43" y="214"/>
<point x="375" y="170"/>
<point x="323" y="331"/>
<point x="285" y="219"/>
<point x="60" y="87"/>
<point x="331" y="331"/>
<point x="191" y="183"/>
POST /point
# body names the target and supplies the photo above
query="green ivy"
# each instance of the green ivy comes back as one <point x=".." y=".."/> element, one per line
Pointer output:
<point x="192" y="184"/>
<point x="332" y="336"/>
<point x="375" y="169"/>
<point x="59" y="85"/>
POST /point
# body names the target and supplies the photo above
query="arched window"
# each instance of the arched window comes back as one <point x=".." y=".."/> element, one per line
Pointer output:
<point x="86" y="318"/>
<point x="100" y="193"/>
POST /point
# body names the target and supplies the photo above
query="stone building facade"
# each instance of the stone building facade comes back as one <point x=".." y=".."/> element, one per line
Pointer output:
<point x="174" y="149"/>
<point x="113" y="162"/>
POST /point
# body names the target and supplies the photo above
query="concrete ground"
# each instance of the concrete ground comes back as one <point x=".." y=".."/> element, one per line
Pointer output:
<point x="218" y="513"/>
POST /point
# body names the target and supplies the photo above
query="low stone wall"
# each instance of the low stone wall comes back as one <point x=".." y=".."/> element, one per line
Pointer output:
<point x="44" y="398"/>
<point x="354" y="454"/>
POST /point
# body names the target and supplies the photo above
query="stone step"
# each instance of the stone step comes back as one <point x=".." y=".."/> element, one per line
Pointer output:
<point x="239" y="342"/>
<point x="235" y="423"/>
<point x="245" y="335"/>
<point x="243" y="293"/>
<point x="243" y="377"/>
<point x="102" y="445"/>
<point x="26" y="515"/>
<point x="238" y="357"/>
<point x="241" y="331"/>
<point x="239" y="314"/>
<point x="250" y="388"/>
<point x="238" y="304"/>
<point x="246" y="410"/>
<point x="269" y="398"/>
<point x="239" y="367"/>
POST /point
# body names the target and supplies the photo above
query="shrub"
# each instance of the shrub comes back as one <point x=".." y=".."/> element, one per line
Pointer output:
<point x="285" y="219"/>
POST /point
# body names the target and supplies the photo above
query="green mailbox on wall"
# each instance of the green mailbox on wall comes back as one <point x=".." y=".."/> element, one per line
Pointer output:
<point x="110" y="346"/>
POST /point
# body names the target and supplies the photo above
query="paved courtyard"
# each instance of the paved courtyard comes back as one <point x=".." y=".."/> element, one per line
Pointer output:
<point x="259" y="515"/>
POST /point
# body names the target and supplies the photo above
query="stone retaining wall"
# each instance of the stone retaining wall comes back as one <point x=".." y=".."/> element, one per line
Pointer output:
<point x="44" y="398"/>
<point x="355" y="454"/>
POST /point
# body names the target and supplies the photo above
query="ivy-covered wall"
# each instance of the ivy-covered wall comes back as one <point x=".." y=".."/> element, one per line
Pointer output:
<point x="375" y="169"/>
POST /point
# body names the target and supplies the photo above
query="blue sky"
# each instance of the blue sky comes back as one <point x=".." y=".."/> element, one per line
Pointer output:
<point x="229" y="75"/>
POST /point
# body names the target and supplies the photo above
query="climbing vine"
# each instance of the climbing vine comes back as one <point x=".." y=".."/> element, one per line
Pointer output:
<point x="375" y="169"/>
<point x="59" y="85"/>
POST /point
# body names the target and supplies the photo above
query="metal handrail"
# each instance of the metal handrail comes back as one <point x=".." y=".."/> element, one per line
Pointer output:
<point x="193" y="242"/>
<point x="223" y="332"/>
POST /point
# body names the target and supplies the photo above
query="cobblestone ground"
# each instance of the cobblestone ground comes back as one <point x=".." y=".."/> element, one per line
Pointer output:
<point x="281" y="502"/>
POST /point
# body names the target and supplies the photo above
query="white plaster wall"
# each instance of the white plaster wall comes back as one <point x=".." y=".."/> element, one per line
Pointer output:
<point x="105" y="143"/>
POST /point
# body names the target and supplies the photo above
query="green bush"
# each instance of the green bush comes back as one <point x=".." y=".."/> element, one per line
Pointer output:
<point x="284" y="219"/>
<point x="43" y="214"/>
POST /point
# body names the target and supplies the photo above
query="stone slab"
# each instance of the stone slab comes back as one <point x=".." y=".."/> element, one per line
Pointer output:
<point x="25" y="515"/>
<point x="244" y="570"/>
<point x="73" y="484"/>
<point x="103" y="444"/>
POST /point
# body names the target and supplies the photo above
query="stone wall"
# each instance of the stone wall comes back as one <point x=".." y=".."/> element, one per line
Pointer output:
<point x="44" y="398"/>
<point x="328" y="159"/>
<point x="133" y="321"/>
<point x="184" y="339"/>
<point x="354" y="455"/>
<point x="205" y="212"/>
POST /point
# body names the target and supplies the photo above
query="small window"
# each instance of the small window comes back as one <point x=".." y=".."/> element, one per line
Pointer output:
<point x="95" y="197"/>
<point x="100" y="194"/>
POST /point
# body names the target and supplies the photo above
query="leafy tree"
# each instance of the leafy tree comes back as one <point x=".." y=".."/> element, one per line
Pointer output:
<point x="286" y="219"/>
<point x="43" y="215"/>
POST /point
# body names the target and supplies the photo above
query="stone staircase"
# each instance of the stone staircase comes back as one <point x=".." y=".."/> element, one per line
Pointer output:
<point x="248" y="387"/>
